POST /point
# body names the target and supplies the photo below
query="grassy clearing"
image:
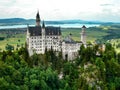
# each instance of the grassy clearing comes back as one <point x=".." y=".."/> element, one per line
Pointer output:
<point x="18" y="39"/>
<point x="116" y="44"/>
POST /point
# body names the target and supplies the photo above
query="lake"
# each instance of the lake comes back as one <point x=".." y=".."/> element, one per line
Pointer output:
<point x="56" y="25"/>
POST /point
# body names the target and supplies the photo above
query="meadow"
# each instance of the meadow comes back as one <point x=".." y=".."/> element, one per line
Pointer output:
<point x="16" y="41"/>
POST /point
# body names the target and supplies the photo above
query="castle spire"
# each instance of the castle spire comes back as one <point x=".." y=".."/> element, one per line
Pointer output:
<point x="38" y="19"/>
<point x="43" y="25"/>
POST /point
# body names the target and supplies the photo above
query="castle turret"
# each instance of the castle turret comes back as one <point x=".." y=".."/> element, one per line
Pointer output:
<point x="43" y="28"/>
<point x="83" y="35"/>
<point x="38" y="19"/>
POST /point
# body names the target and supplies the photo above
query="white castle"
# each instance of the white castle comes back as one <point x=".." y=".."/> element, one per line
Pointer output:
<point x="41" y="37"/>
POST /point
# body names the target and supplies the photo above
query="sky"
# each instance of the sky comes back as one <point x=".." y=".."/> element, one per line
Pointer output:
<point x="94" y="10"/>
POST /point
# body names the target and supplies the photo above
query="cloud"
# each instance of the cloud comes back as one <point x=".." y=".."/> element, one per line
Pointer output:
<point x="106" y="4"/>
<point x="61" y="9"/>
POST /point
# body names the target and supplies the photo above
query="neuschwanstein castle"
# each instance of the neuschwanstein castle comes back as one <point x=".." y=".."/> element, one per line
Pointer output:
<point x="41" y="37"/>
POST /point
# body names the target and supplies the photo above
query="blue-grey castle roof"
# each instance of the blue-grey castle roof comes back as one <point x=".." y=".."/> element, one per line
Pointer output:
<point x="37" y="30"/>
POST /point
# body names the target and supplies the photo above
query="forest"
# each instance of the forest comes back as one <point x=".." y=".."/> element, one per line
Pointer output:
<point x="89" y="71"/>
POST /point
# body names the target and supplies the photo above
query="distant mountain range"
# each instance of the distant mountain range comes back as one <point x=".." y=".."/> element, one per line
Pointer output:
<point x="15" y="21"/>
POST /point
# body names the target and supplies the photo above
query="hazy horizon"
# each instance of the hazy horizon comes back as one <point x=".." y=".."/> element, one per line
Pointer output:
<point x="62" y="20"/>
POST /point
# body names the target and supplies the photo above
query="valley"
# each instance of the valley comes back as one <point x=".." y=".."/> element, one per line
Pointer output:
<point x="101" y="34"/>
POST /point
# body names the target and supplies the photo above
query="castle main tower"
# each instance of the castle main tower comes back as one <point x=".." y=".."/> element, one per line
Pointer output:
<point x="83" y="35"/>
<point x="38" y="19"/>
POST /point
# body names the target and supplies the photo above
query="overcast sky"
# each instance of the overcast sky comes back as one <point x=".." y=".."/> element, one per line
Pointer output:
<point x="95" y="10"/>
